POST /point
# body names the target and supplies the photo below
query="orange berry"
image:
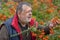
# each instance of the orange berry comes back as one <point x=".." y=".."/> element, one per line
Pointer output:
<point x="44" y="39"/>
<point x="54" y="20"/>
<point x="42" y="23"/>
<point x="59" y="36"/>
<point x="48" y="1"/>
<point x="42" y="1"/>
<point x="34" y="34"/>
<point x="1" y="15"/>
<point x="41" y="36"/>
<point x="3" y="18"/>
<point x="58" y="21"/>
<point x="51" y="32"/>
<point x="42" y="33"/>
<point x="47" y="37"/>
<point x="50" y="10"/>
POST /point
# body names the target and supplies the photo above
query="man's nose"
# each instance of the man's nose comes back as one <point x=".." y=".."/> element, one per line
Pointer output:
<point x="30" y="13"/>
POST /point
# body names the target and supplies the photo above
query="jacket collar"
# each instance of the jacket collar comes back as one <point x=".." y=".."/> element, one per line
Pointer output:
<point x="15" y="25"/>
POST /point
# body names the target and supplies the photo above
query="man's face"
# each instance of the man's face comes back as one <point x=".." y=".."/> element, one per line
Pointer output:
<point x="26" y="14"/>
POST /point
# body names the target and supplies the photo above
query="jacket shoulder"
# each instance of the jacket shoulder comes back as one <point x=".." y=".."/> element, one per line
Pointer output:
<point x="3" y="33"/>
<point x="8" y="21"/>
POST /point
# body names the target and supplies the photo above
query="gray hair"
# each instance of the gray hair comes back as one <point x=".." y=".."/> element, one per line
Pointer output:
<point x="19" y="7"/>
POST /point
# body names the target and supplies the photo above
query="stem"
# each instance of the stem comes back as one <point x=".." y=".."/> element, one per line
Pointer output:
<point x="20" y="32"/>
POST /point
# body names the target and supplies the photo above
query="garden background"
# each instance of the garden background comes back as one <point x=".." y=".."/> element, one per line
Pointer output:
<point x="43" y="11"/>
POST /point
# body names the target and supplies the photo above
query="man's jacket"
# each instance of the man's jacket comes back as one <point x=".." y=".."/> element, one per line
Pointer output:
<point x="11" y="27"/>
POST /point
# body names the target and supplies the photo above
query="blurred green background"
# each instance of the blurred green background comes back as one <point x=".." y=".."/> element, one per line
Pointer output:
<point x="43" y="11"/>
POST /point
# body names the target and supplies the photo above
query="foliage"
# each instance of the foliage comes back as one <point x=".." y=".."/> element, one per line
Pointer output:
<point x="43" y="11"/>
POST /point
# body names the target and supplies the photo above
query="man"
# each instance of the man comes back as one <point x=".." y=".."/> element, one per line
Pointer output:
<point x="21" y="21"/>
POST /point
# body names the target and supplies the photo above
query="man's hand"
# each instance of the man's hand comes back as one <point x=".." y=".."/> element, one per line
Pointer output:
<point x="55" y="21"/>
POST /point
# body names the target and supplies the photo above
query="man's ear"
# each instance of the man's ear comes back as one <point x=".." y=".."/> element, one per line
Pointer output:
<point x="19" y="12"/>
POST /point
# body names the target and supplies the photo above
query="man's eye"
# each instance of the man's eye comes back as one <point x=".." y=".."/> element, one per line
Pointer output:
<point x="29" y="11"/>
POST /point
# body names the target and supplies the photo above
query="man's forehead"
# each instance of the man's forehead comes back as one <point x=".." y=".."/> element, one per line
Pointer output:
<point x="25" y="7"/>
